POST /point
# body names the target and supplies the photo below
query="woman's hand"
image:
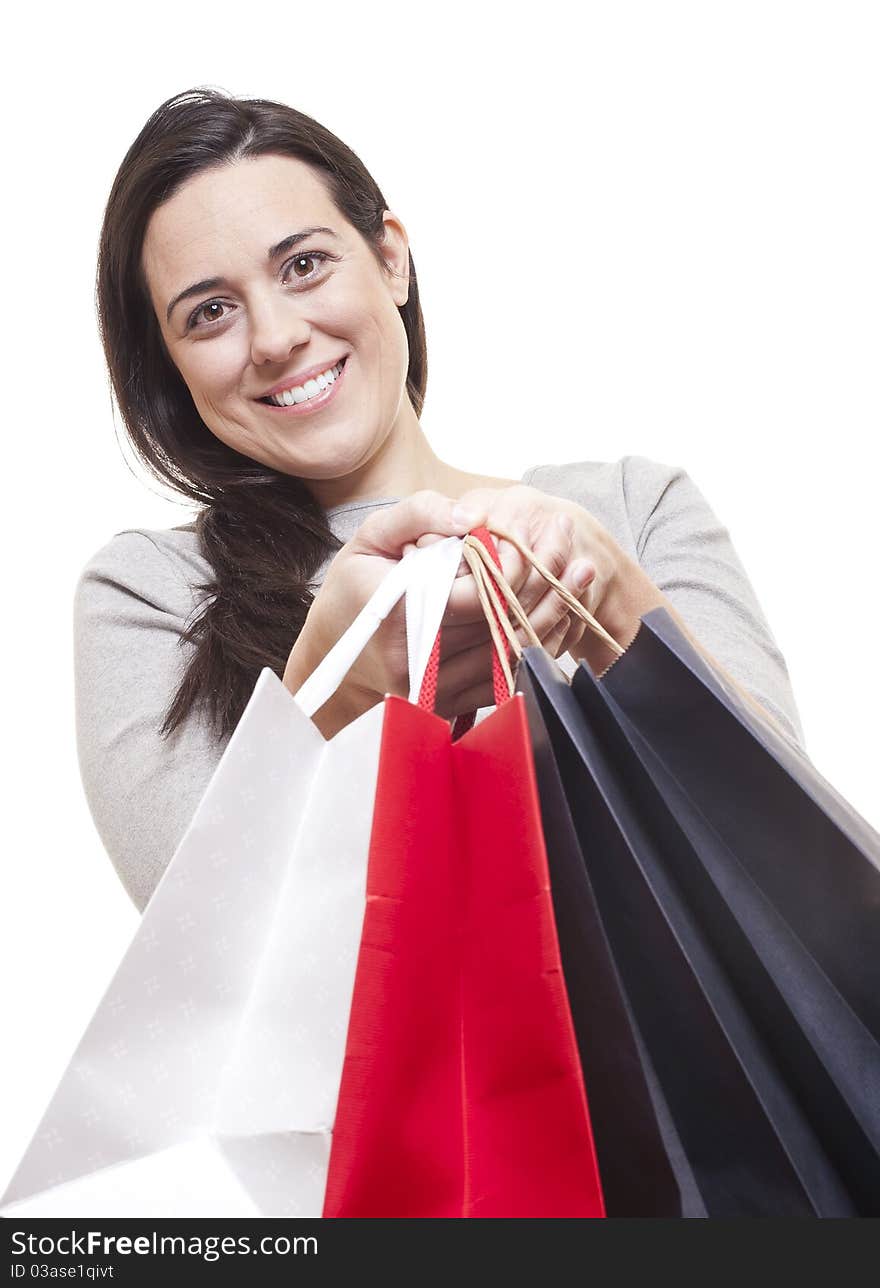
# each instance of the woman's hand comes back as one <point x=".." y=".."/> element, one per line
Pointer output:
<point x="465" y="678"/>
<point x="590" y="564"/>
<point x="568" y="540"/>
<point x="464" y="681"/>
<point x="351" y="579"/>
<point x="582" y="554"/>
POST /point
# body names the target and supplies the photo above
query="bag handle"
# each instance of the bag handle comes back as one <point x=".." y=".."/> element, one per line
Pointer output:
<point x="426" y="576"/>
<point x="428" y="573"/>
<point x="574" y="604"/>
<point x="502" y="678"/>
<point x="483" y="566"/>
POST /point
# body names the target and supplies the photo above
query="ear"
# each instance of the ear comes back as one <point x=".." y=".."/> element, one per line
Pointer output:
<point x="395" y="252"/>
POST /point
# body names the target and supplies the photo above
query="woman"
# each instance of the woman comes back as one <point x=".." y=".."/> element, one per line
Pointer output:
<point x="246" y="251"/>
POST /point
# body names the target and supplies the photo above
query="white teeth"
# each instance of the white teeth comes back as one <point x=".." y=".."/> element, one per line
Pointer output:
<point x="302" y="393"/>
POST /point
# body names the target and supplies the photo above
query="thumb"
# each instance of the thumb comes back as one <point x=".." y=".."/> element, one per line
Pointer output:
<point x="389" y="532"/>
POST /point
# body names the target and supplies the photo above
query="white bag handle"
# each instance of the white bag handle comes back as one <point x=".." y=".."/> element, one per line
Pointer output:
<point x="426" y="576"/>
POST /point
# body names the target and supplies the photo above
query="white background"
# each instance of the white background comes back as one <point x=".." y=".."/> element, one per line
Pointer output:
<point x="667" y="214"/>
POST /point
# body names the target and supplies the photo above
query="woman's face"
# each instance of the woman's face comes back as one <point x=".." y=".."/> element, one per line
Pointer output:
<point x="280" y="315"/>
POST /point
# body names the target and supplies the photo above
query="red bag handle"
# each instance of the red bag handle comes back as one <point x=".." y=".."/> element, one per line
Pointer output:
<point x="428" y="692"/>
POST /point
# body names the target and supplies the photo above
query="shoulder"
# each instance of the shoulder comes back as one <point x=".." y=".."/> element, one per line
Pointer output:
<point x="622" y="494"/>
<point x="639" y="479"/>
<point x="164" y="567"/>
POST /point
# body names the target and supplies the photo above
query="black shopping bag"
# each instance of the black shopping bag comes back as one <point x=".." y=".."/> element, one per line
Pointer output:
<point x="630" y="1128"/>
<point x="739" y="895"/>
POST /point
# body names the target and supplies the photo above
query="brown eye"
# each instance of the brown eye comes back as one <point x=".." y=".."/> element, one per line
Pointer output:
<point x="303" y="266"/>
<point x="300" y="261"/>
<point x="201" y="318"/>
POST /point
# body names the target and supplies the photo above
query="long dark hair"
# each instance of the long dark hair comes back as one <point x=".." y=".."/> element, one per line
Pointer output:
<point x="262" y="532"/>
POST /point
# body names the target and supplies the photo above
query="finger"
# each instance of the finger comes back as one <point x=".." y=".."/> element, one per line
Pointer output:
<point x="556" y="635"/>
<point x="514" y="565"/>
<point x="431" y="539"/>
<point x="578" y="579"/>
<point x="463" y="606"/>
<point x="553" y="615"/>
<point x="464" y="623"/>
<point x="457" y="639"/>
<point x="552" y="548"/>
<point x="583" y="579"/>
<point x="461" y="704"/>
<point x="458" y="704"/>
<point x="386" y="532"/>
<point x="573" y="636"/>
<point x="464" y="683"/>
<point x="481" y="695"/>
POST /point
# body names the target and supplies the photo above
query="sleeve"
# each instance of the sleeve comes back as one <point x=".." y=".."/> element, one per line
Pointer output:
<point x="131" y="604"/>
<point x="688" y="554"/>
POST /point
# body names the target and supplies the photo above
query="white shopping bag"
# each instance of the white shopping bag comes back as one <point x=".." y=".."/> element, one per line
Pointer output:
<point x="206" y="1082"/>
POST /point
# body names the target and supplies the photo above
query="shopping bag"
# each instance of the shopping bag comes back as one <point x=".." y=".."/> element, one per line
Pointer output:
<point x="206" y="1082"/>
<point x="739" y="894"/>
<point x="636" y="1152"/>
<point x="461" y="1091"/>
<point x="798" y="872"/>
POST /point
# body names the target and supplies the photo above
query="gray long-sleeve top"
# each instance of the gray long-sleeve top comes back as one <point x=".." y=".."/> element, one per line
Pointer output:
<point x="137" y="592"/>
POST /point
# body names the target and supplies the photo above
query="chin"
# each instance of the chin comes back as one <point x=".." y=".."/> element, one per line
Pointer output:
<point x="332" y="465"/>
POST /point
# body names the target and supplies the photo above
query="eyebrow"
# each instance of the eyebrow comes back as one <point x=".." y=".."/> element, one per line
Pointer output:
<point x="214" y="283"/>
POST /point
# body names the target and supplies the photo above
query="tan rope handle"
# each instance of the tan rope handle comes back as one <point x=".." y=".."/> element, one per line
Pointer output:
<point x="479" y="572"/>
<point x="480" y="561"/>
<point x="484" y="590"/>
<point x="557" y="585"/>
<point x="510" y="595"/>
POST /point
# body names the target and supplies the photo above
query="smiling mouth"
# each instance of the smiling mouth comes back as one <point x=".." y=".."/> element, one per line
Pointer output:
<point x="310" y="392"/>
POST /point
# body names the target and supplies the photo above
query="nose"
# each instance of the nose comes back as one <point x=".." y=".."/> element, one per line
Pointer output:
<point x="277" y="327"/>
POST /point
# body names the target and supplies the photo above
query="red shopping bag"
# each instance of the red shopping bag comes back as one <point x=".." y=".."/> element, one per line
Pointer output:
<point x="461" y="1091"/>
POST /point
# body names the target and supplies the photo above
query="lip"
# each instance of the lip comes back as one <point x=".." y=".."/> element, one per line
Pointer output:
<point x="300" y="377"/>
<point x="311" y="404"/>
